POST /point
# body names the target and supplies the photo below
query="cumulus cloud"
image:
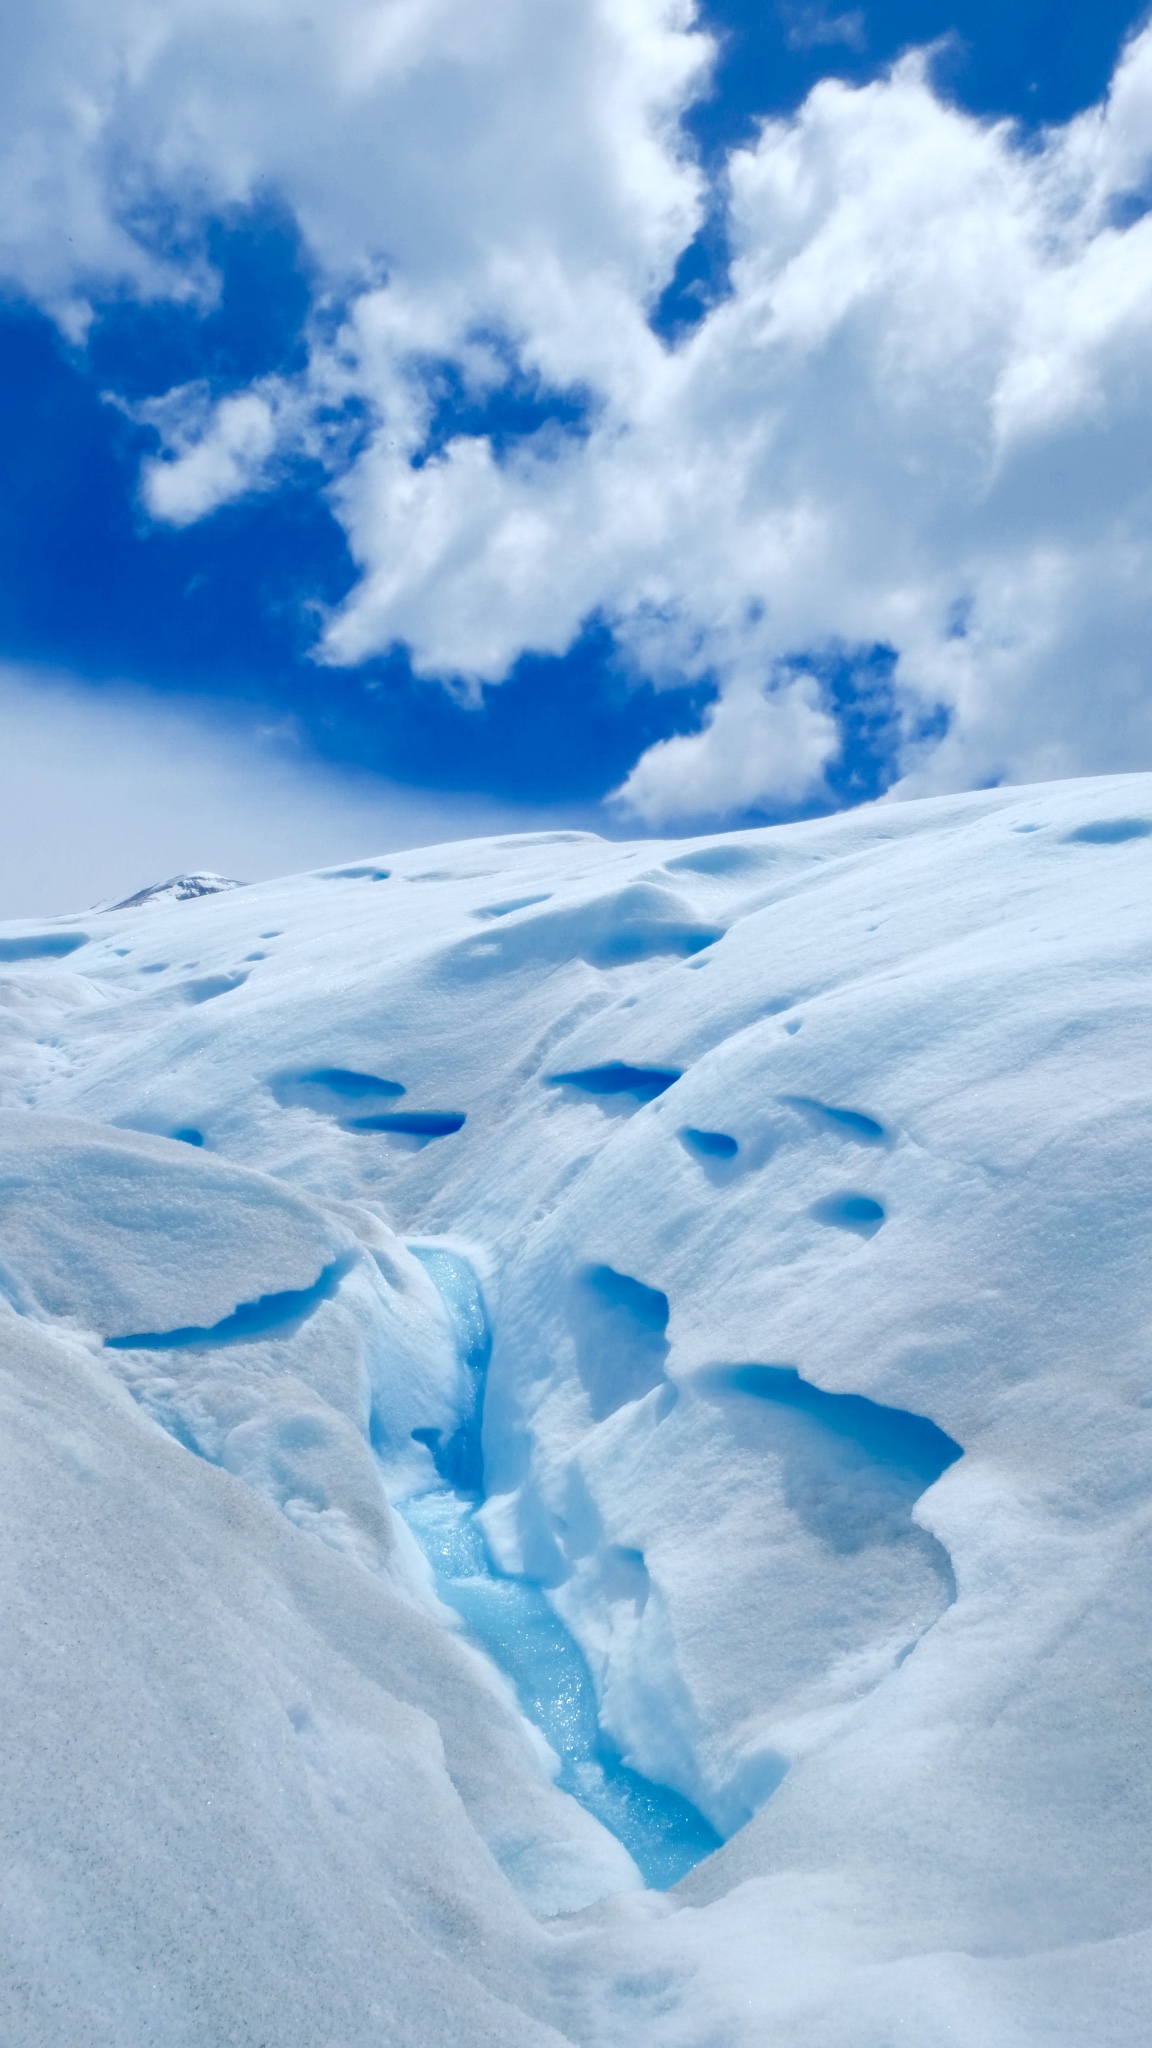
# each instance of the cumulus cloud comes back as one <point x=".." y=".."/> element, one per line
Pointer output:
<point x="919" y="420"/>
<point x="212" y="453"/>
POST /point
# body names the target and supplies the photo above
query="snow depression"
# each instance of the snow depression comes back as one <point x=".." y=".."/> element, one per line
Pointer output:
<point x="577" y="1444"/>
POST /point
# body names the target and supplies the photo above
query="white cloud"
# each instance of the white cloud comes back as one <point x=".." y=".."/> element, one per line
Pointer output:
<point x="755" y="739"/>
<point x="216" y="453"/>
<point x="920" y="419"/>
<point x="103" y="792"/>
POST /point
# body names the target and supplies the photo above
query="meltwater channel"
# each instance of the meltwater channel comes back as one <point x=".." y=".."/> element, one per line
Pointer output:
<point x="512" y="1620"/>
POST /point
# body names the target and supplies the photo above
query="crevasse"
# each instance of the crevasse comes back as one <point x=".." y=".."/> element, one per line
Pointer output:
<point x="512" y="1619"/>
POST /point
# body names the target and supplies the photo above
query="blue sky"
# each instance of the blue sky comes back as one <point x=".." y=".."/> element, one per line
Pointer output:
<point x="283" y="445"/>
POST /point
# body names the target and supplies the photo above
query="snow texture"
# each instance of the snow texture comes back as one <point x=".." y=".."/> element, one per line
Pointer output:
<point x="704" y="1434"/>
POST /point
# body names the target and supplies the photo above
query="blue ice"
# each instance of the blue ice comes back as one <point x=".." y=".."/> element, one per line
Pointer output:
<point x="665" y="1835"/>
<point x="457" y="1454"/>
<point x="511" y="1616"/>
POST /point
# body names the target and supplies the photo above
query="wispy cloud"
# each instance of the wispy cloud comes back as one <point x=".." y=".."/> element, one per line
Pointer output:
<point x="813" y="28"/>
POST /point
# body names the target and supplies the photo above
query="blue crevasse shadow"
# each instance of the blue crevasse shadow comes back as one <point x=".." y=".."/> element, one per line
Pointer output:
<point x="866" y="1130"/>
<point x="1109" y="832"/>
<point x="618" y="1327"/>
<point x="270" y="1314"/>
<point x="721" y="860"/>
<point x="329" y="1089"/>
<point x="369" y="873"/>
<point x="511" y="1616"/>
<point x="412" y="1123"/>
<point x="347" y="1084"/>
<point x="209" y="986"/>
<point x="42" y="946"/>
<point x="896" y="1437"/>
<point x="849" y="1211"/>
<point x="514" y="903"/>
<point x="616" y="1077"/>
<point x="648" y="1305"/>
<point x="709" y="1144"/>
<point x="188" y="1135"/>
<point x="851" y="1469"/>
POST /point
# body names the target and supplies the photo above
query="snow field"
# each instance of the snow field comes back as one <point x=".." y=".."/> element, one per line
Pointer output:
<point x="804" y="1176"/>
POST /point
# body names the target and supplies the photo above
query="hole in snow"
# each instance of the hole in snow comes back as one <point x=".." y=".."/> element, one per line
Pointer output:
<point x="188" y="1135"/>
<point x="42" y="946"/>
<point x="708" y="1144"/>
<point x="853" y="1468"/>
<point x="718" y="860"/>
<point x="618" y="1325"/>
<point x="330" y="1089"/>
<point x="211" y="985"/>
<point x="271" y="1314"/>
<point x="847" y="1123"/>
<point x="412" y="1123"/>
<point x="849" y="1211"/>
<point x="618" y="1078"/>
<point x="506" y="909"/>
<point x="1109" y="832"/>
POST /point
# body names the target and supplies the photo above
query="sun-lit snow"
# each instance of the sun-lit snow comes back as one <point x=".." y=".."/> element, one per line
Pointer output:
<point x="525" y="1360"/>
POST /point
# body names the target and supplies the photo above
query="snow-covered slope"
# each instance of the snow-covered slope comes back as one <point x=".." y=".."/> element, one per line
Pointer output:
<point x="719" y="1271"/>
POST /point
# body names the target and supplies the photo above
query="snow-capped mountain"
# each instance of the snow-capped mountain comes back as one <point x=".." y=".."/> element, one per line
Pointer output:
<point x="178" y="889"/>
<point x="539" y="1371"/>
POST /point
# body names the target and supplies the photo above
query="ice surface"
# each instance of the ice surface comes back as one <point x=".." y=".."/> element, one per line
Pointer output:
<point x="768" y="1347"/>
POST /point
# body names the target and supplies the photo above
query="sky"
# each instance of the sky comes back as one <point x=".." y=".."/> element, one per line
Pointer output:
<point x="420" y="419"/>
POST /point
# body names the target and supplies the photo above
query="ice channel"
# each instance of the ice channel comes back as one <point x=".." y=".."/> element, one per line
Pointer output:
<point x="512" y="1620"/>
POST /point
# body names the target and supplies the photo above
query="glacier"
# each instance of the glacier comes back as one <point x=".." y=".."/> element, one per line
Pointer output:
<point x="577" y="1443"/>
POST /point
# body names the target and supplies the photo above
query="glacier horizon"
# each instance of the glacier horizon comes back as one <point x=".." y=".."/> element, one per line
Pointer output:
<point x="746" y="1237"/>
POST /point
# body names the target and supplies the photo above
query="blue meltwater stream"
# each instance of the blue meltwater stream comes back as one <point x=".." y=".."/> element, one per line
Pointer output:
<point x="512" y="1620"/>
